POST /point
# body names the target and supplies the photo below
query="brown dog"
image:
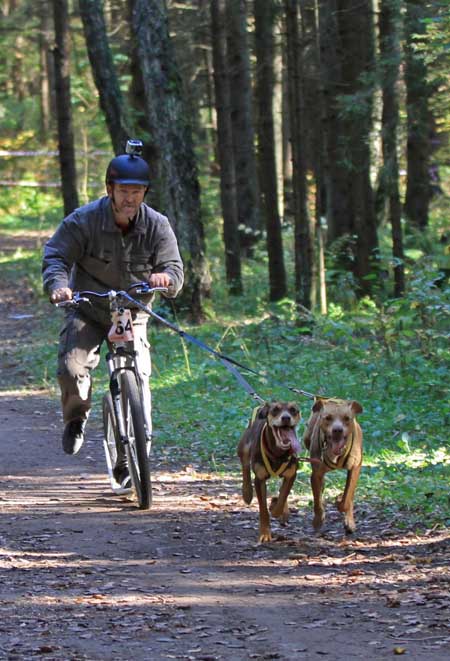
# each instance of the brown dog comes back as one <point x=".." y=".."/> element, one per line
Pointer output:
<point x="334" y="440"/>
<point x="268" y="447"/>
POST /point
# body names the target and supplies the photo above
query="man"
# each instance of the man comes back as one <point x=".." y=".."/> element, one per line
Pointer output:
<point x="108" y="244"/>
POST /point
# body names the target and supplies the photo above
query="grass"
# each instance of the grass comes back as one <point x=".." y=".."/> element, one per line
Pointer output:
<point x="392" y="357"/>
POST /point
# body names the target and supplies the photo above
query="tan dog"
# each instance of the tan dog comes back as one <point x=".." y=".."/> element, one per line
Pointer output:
<point x="269" y="447"/>
<point x="334" y="440"/>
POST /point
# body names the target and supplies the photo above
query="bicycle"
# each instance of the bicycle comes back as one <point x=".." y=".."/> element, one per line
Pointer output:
<point x="127" y="424"/>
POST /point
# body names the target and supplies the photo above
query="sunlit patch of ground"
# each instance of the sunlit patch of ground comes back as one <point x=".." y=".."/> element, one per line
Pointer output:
<point x="25" y="392"/>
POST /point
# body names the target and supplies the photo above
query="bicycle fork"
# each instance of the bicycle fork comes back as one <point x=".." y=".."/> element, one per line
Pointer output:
<point x="114" y="387"/>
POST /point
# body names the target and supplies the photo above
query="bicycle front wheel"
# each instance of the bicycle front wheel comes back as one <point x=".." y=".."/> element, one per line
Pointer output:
<point x="136" y="448"/>
<point x="112" y="444"/>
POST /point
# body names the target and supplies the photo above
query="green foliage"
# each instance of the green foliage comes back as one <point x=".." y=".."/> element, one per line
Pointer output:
<point x="434" y="47"/>
<point x="31" y="210"/>
<point x="20" y="104"/>
<point x="23" y="267"/>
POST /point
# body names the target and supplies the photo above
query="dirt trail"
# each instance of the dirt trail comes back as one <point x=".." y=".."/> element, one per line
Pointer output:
<point x="85" y="575"/>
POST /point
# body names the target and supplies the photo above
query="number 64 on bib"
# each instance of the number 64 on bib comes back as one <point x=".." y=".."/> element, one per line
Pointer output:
<point x="122" y="327"/>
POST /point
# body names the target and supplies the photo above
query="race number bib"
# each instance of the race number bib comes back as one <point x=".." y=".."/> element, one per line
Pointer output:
<point x="122" y="327"/>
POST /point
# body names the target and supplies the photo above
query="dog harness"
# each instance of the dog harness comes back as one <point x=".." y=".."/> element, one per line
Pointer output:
<point x="269" y="469"/>
<point x="341" y="459"/>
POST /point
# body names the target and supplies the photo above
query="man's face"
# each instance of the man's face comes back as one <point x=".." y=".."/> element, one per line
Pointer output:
<point x="126" y="198"/>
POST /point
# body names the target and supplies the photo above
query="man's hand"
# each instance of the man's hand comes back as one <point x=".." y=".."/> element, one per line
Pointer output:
<point x="62" y="294"/>
<point x="160" y="280"/>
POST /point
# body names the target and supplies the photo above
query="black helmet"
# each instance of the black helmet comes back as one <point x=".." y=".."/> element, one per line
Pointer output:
<point x="129" y="168"/>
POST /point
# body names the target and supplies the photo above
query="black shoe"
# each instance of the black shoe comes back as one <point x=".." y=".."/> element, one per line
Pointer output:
<point x="121" y="475"/>
<point x="73" y="437"/>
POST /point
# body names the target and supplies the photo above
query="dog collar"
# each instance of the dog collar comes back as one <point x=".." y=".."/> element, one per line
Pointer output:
<point x="266" y="461"/>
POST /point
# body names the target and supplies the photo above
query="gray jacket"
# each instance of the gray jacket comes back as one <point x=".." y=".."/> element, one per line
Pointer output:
<point x="89" y="251"/>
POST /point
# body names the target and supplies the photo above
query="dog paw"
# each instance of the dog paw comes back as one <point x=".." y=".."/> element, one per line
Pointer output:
<point x="273" y="504"/>
<point x="265" y="536"/>
<point x="278" y="511"/>
<point x="339" y="503"/>
<point x="318" y="522"/>
<point x="282" y="514"/>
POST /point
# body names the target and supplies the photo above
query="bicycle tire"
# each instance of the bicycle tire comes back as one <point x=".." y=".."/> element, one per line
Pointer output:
<point x="110" y="431"/>
<point x="111" y="440"/>
<point x="136" y="448"/>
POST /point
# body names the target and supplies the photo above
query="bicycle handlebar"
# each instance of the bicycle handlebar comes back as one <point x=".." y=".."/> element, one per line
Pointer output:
<point x="81" y="296"/>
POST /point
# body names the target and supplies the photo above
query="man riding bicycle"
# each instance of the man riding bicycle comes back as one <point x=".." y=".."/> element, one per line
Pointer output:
<point x="110" y="243"/>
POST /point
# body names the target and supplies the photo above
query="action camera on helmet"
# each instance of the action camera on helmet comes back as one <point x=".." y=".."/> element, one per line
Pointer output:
<point x="129" y="168"/>
<point x="134" y="147"/>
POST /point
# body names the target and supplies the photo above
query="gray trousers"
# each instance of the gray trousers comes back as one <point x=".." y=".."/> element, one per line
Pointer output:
<point x="80" y="341"/>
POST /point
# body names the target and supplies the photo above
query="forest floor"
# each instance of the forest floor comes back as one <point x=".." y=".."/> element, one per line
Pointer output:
<point x="86" y="575"/>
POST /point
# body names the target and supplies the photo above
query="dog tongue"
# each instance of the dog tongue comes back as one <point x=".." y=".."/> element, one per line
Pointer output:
<point x="295" y="445"/>
<point x="288" y="434"/>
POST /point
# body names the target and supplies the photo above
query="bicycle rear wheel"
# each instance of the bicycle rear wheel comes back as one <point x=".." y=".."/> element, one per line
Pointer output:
<point x="136" y="448"/>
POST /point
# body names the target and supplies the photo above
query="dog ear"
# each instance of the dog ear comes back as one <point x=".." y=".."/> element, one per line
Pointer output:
<point x="356" y="407"/>
<point x="263" y="411"/>
<point x="318" y="404"/>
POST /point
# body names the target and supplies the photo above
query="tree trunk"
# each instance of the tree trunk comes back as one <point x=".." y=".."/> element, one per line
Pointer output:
<point x="347" y="62"/>
<point x="418" y="189"/>
<point x="278" y="113"/>
<point x="357" y="32"/>
<point x="303" y="241"/>
<point x="91" y="12"/>
<point x="225" y="150"/>
<point x="45" y="75"/>
<point x="286" y="164"/>
<point x="242" y="124"/>
<point x="314" y="121"/>
<point x="389" y="64"/>
<point x="63" y="103"/>
<point x="178" y="180"/>
<point x="335" y="175"/>
<point x="265" y="11"/>
<point x="141" y="127"/>
<point x="17" y="83"/>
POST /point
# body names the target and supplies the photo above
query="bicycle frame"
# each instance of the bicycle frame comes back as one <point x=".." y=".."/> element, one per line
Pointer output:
<point x="120" y="358"/>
